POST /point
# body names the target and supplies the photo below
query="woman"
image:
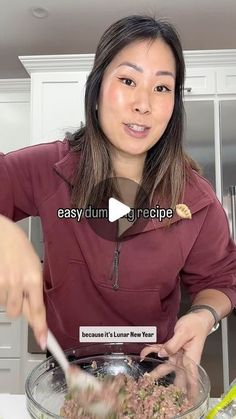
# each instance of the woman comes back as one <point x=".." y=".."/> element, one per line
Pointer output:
<point x="134" y="123"/>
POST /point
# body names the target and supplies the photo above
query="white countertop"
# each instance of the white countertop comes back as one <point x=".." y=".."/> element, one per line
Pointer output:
<point x="13" y="406"/>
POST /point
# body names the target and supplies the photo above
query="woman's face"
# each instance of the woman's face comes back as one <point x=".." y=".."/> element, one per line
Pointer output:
<point x="136" y="99"/>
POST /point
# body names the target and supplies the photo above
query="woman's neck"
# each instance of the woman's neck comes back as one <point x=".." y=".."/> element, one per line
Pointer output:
<point x="128" y="166"/>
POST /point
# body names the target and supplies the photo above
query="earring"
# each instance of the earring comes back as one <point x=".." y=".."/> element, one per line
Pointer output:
<point x="96" y="107"/>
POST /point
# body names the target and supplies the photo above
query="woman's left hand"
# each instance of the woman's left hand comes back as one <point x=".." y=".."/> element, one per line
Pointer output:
<point x="190" y="333"/>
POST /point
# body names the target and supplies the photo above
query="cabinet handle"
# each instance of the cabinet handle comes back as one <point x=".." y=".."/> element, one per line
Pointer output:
<point x="188" y="89"/>
<point x="232" y="193"/>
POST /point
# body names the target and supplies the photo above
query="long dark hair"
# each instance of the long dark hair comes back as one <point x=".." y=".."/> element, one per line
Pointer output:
<point x="166" y="163"/>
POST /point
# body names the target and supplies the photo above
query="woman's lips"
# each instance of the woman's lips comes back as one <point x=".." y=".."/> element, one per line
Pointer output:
<point x="136" y="134"/>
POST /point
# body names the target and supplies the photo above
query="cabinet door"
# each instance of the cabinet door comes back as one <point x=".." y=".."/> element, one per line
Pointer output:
<point x="14" y="123"/>
<point x="226" y="80"/>
<point x="9" y="375"/>
<point x="57" y="104"/>
<point x="199" y="81"/>
<point x="10" y="334"/>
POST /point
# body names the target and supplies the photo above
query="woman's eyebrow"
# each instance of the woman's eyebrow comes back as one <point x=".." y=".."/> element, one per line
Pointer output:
<point x="140" y="69"/>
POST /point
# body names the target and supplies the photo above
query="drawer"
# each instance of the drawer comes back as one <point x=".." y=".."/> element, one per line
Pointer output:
<point x="199" y="81"/>
<point x="32" y="362"/>
<point x="10" y="335"/>
<point x="226" y="80"/>
<point x="9" y="375"/>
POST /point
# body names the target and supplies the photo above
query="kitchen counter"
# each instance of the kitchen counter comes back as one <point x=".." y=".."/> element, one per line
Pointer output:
<point x="13" y="406"/>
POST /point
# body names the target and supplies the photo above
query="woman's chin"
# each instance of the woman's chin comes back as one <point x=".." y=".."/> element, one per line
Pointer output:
<point x="134" y="150"/>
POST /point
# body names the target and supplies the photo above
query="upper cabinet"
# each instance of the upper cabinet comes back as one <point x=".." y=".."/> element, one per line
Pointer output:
<point x="57" y="104"/>
<point x="57" y="94"/>
<point x="199" y="81"/>
<point x="210" y="72"/>
<point x="226" y="80"/>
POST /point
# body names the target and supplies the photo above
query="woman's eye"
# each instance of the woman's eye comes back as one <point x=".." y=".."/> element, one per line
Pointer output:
<point x="162" y="89"/>
<point x="128" y="82"/>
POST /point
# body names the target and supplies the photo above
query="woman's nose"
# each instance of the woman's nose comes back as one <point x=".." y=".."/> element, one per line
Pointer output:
<point x="141" y="103"/>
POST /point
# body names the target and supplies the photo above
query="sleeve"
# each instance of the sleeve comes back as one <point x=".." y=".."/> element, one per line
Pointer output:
<point x="17" y="198"/>
<point x="211" y="263"/>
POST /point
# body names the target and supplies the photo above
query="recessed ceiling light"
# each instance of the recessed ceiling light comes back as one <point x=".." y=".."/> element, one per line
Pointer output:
<point x="39" y="12"/>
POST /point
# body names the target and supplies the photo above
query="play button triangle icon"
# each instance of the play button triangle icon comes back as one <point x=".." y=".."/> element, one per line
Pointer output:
<point x="117" y="209"/>
<point x="117" y="217"/>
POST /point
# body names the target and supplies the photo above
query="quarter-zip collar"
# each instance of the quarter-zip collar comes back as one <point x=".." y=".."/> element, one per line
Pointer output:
<point x="66" y="166"/>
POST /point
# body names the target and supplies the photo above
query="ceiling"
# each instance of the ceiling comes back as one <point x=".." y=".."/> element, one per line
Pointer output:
<point x="75" y="26"/>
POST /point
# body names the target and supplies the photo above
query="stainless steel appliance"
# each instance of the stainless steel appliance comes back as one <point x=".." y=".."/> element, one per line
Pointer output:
<point x="210" y="138"/>
<point x="227" y="114"/>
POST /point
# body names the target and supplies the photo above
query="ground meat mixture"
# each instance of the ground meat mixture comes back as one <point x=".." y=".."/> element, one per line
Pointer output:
<point x="142" y="399"/>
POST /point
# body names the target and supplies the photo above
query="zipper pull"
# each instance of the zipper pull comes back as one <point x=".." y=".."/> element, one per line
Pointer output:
<point x="115" y="273"/>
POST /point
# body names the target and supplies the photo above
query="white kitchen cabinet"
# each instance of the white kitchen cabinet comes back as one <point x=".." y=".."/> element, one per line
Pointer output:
<point x="57" y="104"/>
<point x="14" y="134"/>
<point x="10" y="375"/>
<point x="15" y="361"/>
<point x="57" y="94"/>
<point x="14" y="114"/>
<point x="226" y="80"/>
<point x="10" y="333"/>
<point x="199" y="81"/>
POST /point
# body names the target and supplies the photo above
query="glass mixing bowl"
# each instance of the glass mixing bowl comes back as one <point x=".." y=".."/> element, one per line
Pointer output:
<point x="46" y="386"/>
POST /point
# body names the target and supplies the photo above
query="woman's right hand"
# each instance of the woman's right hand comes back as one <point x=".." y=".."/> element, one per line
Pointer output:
<point x="21" y="281"/>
